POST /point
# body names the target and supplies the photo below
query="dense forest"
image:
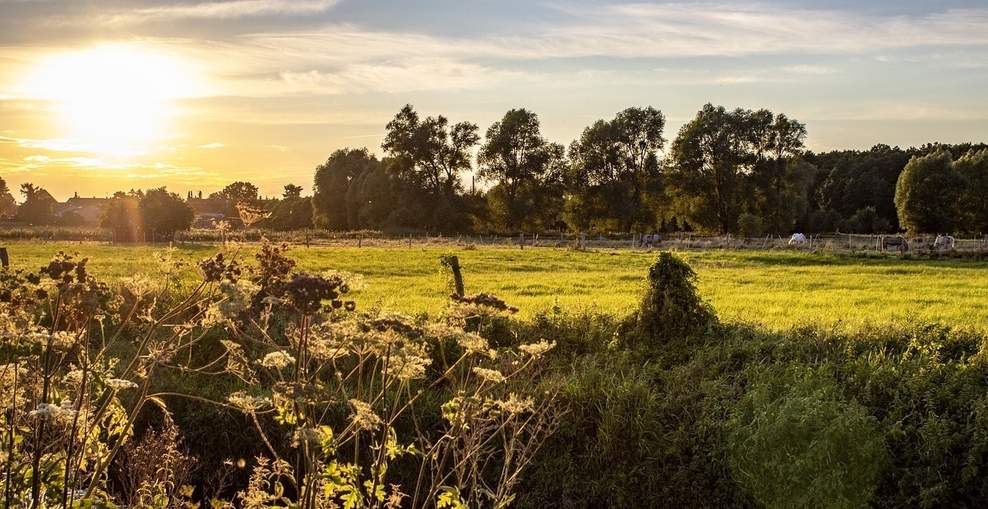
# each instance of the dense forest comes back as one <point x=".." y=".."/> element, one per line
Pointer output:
<point x="743" y="172"/>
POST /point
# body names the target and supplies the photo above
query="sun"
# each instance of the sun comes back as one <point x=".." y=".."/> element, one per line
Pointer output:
<point x="112" y="99"/>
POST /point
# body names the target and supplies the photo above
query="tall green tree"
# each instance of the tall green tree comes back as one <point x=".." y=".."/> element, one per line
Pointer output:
<point x="37" y="206"/>
<point x="370" y="198"/>
<point x="165" y="213"/>
<point x="237" y="192"/>
<point x="614" y="180"/>
<point x="724" y="163"/>
<point x="123" y="217"/>
<point x="332" y="183"/>
<point x="8" y="205"/>
<point x="927" y="193"/>
<point x="292" y="212"/>
<point x="973" y="201"/>
<point x="429" y="157"/>
<point x="855" y="181"/>
<point x="527" y="171"/>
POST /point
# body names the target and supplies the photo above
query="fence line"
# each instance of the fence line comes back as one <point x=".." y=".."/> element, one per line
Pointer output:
<point x="679" y="241"/>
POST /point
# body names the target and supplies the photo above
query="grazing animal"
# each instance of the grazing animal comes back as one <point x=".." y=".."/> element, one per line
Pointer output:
<point x="943" y="242"/>
<point x="797" y="239"/>
<point x="897" y="241"/>
<point x="649" y="239"/>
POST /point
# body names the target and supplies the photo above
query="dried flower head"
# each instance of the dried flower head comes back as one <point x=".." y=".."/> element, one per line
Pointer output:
<point x="537" y="349"/>
<point x="248" y="403"/>
<point x="363" y="415"/>
<point x="516" y="405"/>
<point x="277" y="360"/>
<point x="489" y="375"/>
<point x="119" y="384"/>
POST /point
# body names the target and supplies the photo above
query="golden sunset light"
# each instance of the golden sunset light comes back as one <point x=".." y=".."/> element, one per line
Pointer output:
<point x="111" y="100"/>
<point x="97" y="97"/>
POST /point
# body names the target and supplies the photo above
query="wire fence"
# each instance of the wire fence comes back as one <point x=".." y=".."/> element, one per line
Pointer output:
<point x="680" y="241"/>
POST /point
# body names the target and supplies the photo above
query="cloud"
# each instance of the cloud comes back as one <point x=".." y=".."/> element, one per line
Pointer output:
<point x="212" y="145"/>
<point x="220" y="10"/>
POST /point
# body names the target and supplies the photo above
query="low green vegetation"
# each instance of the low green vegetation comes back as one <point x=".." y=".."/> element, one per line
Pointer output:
<point x="777" y="289"/>
<point x="262" y="378"/>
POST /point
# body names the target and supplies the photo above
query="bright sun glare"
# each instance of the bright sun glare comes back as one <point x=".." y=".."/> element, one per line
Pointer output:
<point x="113" y="100"/>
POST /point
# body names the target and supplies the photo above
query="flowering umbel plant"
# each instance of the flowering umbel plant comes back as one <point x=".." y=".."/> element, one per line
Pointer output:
<point x="338" y="397"/>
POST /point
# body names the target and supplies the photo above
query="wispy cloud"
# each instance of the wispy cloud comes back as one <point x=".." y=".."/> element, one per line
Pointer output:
<point x="218" y="10"/>
<point x="341" y="58"/>
<point x="212" y="145"/>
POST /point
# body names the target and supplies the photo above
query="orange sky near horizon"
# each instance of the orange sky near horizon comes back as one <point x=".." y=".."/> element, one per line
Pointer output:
<point x="103" y="96"/>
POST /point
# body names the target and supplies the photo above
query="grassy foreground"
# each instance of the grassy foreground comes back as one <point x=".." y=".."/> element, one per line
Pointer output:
<point x="777" y="289"/>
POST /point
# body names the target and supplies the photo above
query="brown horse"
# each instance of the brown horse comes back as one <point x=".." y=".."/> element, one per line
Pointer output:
<point x="897" y="241"/>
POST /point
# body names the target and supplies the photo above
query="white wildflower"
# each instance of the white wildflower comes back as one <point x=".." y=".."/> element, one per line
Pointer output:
<point x="139" y="285"/>
<point x="516" y="405"/>
<point x="119" y="384"/>
<point x="490" y="375"/>
<point x="277" y="360"/>
<point x="473" y="343"/>
<point x="409" y="368"/>
<point x="246" y="402"/>
<point x="45" y="410"/>
<point x="537" y="349"/>
<point x="363" y="415"/>
<point x="73" y="377"/>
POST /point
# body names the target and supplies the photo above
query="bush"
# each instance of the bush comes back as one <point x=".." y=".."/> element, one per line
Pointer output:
<point x="671" y="308"/>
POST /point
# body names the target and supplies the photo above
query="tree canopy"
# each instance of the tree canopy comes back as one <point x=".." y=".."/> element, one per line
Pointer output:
<point x="527" y="171"/>
<point x="724" y="163"/>
<point x="429" y="157"/>
<point x="614" y="178"/>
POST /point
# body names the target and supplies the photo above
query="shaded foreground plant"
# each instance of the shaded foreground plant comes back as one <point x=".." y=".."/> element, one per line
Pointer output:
<point x="78" y="362"/>
<point x="348" y="390"/>
<point x="337" y="397"/>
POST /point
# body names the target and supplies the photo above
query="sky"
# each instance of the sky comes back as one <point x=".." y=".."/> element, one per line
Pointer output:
<point x="108" y="95"/>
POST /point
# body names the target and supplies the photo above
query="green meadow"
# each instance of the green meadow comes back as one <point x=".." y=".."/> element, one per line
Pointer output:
<point x="775" y="289"/>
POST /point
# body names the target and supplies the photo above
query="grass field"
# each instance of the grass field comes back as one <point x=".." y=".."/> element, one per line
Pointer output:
<point x="776" y="289"/>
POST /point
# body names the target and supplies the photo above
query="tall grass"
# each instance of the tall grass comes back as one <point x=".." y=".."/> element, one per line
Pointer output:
<point x="773" y="289"/>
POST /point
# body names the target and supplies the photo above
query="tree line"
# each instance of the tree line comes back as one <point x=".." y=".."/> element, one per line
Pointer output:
<point x="743" y="172"/>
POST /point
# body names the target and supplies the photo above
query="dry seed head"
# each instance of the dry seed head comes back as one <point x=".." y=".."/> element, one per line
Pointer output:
<point x="363" y="415"/>
<point x="516" y="405"/>
<point x="489" y="375"/>
<point x="277" y="360"/>
<point x="537" y="349"/>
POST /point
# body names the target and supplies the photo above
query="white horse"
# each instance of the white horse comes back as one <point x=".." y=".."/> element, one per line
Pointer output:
<point x="943" y="242"/>
<point x="649" y="239"/>
<point x="797" y="239"/>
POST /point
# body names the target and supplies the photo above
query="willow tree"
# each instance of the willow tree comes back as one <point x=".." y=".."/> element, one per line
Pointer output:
<point x="724" y="163"/>
<point x="428" y="157"/>
<point x="927" y="192"/>
<point x="527" y="171"/>
<point x="614" y="180"/>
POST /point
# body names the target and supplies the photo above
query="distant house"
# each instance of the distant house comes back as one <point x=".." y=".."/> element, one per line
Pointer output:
<point x="88" y="210"/>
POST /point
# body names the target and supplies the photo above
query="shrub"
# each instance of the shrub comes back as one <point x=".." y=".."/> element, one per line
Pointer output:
<point x="671" y="308"/>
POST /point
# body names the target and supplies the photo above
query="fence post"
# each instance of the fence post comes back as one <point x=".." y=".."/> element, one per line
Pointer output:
<point x="454" y="265"/>
<point x="521" y="241"/>
<point x="3" y="257"/>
